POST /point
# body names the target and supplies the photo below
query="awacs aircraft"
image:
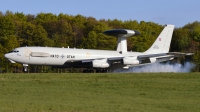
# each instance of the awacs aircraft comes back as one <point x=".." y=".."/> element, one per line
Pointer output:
<point x="98" y="60"/>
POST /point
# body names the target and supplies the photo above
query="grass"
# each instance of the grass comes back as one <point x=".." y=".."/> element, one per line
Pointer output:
<point x="155" y="92"/>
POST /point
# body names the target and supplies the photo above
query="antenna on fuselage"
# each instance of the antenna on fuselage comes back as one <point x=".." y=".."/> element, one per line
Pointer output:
<point x="121" y="34"/>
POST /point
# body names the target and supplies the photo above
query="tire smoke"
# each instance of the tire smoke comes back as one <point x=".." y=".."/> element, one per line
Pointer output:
<point x="160" y="67"/>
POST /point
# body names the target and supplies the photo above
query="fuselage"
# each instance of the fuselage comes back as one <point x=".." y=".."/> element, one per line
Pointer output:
<point x="59" y="56"/>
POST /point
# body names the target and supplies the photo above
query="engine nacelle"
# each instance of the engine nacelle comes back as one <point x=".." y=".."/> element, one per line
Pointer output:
<point x="130" y="61"/>
<point x="152" y="60"/>
<point x="100" y="63"/>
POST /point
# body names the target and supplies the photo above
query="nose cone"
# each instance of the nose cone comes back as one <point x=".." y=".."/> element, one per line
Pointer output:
<point x="6" y="55"/>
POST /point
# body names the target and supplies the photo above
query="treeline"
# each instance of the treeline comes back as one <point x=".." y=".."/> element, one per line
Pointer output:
<point x="63" y="30"/>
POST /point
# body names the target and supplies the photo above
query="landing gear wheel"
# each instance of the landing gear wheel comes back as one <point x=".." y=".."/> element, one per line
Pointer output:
<point x="25" y="69"/>
<point x="101" y="71"/>
<point x="88" y="71"/>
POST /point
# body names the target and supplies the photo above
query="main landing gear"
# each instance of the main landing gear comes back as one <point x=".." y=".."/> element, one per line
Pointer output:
<point x="25" y="67"/>
<point x="95" y="71"/>
<point x="101" y="70"/>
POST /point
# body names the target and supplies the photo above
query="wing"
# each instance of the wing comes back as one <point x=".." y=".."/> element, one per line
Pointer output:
<point x="123" y="61"/>
<point x="139" y="57"/>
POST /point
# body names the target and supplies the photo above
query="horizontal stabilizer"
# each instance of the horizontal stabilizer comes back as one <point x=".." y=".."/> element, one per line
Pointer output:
<point x="178" y="54"/>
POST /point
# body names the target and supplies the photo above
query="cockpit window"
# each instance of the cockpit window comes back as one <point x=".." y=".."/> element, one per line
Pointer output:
<point x="14" y="51"/>
<point x="11" y="51"/>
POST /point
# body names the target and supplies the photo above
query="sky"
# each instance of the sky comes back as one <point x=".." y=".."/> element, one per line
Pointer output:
<point x="177" y="12"/>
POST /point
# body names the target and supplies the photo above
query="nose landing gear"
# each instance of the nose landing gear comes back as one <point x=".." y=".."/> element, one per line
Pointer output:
<point x="25" y="67"/>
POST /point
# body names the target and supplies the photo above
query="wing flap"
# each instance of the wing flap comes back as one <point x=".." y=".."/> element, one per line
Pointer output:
<point x="140" y="57"/>
<point x="112" y="59"/>
<point x="83" y="60"/>
<point x="115" y="58"/>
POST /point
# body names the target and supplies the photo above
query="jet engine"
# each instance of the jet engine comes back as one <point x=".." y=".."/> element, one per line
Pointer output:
<point x="130" y="61"/>
<point x="100" y="63"/>
<point x="135" y="61"/>
<point x="152" y="60"/>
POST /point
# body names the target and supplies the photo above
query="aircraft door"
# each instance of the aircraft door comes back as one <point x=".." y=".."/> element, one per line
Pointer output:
<point x="27" y="53"/>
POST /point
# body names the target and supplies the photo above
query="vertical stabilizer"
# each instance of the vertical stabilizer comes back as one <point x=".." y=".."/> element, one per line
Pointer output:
<point x="162" y="43"/>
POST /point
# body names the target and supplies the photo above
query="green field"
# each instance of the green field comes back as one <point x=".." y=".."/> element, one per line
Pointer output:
<point x="73" y="92"/>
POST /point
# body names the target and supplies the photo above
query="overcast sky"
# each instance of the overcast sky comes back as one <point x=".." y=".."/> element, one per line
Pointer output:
<point x="177" y="12"/>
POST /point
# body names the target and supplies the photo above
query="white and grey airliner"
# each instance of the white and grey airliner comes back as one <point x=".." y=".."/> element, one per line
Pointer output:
<point x="97" y="60"/>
